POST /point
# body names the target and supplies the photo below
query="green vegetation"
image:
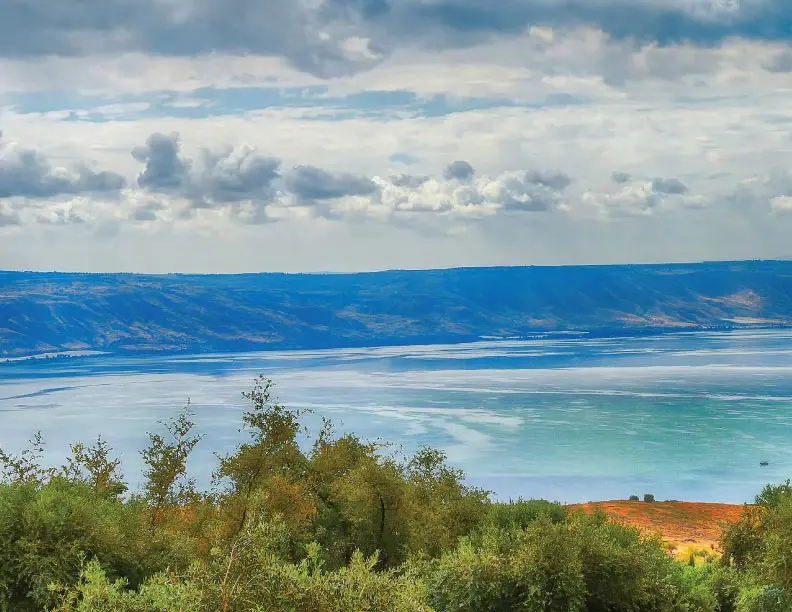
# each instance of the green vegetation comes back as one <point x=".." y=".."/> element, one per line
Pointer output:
<point x="343" y="526"/>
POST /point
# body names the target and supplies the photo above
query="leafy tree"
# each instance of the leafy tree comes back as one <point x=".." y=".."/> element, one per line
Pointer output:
<point x="165" y="458"/>
<point x="772" y="495"/>
<point x="92" y="464"/>
<point x="442" y="508"/>
<point x="26" y="466"/>
<point x="96" y="592"/>
<point x="271" y="456"/>
<point x="345" y="526"/>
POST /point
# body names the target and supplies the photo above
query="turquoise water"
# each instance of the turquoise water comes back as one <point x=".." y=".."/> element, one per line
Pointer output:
<point x="683" y="416"/>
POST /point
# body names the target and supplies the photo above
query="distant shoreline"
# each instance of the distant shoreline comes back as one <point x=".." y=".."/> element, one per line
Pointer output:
<point x="605" y="333"/>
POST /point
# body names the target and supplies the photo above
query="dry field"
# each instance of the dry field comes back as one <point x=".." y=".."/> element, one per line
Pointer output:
<point x="686" y="527"/>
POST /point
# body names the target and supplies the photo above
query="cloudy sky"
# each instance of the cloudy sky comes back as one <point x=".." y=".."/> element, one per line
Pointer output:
<point x="338" y="135"/>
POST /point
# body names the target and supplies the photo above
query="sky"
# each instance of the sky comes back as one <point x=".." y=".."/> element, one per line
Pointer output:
<point x="348" y="135"/>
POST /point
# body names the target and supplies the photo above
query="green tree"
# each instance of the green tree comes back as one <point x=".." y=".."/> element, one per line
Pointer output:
<point x="272" y="453"/>
<point x="92" y="464"/>
<point x="26" y="466"/>
<point x="165" y="458"/>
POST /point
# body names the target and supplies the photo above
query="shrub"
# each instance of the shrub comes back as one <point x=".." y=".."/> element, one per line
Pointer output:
<point x="584" y="563"/>
<point x="648" y="497"/>
<point x="343" y="527"/>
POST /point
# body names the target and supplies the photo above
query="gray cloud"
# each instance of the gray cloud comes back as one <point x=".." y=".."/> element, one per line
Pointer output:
<point x="620" y="178"/>
<point x="656" y="21"/>
<point x="554" y="180"/>
<point x="213" y="179"/>
<point x="29" y="174"/>
<point x="236" y="175"/>
<point x="310" y="183"/>
<point x="408" y="180"/>
<point x="781" y="62"/>
<point x="8" y="218"/>
<point x="165" y="169"/>
<point x="312" y="35"/>
<point x="527" y="194"/>
<point x="60" y="217"/>
<point x="459" y="170"/>
<point x="148" y="211"/>
<point x="669" y="186"/>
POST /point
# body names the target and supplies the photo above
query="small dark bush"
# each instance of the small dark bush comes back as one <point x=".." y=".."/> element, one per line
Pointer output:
<point x="633" y="498"/>
<point x="648" y="497"/>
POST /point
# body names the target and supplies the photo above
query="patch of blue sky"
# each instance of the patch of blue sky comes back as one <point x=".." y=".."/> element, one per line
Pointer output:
<point x="51" y="101"/>
<point x="404" y="158"/>
<point x="207" y="102"/>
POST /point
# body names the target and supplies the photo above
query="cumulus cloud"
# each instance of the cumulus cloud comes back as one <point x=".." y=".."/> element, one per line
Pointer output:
<point x="165" y="169"/>
<point x="643" y="198"/>
<point x="408" y="180"/>
<point x="27" y="173"/>
<point x="781" y="204"/>
<point x="459" y="170"/>
<point x="245" y="183"/>
<point x="620" y="177"/>
<point x="233" y="175"/>
<point x="529" y="192"/>
<point x="309" y="183"/>
<point x="147" y="210"/>
<point x="631" y="200"/>
<point x="554" y="180"/>
<point x="670" y="186"/>
<point x="520" y="192"/>
<point x="59" y="216"/>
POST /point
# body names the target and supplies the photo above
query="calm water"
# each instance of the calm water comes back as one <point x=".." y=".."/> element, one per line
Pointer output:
<point x="686" y="416"/>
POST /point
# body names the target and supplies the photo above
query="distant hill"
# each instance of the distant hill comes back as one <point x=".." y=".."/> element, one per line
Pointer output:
<point x="45" y="312"/>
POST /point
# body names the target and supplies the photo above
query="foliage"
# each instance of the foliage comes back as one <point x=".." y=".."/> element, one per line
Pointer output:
<point x="582" y="563"/>
<point x="773" y="495"/>
<point x="165" y="458"/>
<point x="26" y="466"/>
<point x="92" y="464"/>
<point x="344" y="525"/>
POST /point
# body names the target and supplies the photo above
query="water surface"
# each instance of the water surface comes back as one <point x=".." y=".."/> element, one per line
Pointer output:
<point x="683" y="416"/>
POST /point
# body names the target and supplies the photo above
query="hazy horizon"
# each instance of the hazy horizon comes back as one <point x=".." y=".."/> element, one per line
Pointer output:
<point x="386" y="270"/>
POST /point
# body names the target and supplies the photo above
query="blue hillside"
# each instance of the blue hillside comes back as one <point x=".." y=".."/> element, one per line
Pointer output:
<point x="44" y="312"/>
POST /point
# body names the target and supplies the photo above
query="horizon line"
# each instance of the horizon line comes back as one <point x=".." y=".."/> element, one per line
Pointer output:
<point x="396" y="270"/>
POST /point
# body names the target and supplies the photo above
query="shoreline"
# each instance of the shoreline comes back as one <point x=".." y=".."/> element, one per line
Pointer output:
<point x="248" y="348"/>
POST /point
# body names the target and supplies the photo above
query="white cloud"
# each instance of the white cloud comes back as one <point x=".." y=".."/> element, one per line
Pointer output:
<point x="781" y="204"/>
<point x="714" y="118"/>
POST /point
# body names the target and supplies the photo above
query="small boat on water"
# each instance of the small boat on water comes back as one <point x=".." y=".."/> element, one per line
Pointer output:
<point x="763" y="463"/>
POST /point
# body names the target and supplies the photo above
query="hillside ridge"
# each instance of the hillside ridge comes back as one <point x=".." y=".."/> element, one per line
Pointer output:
<point x="132" y="313"/>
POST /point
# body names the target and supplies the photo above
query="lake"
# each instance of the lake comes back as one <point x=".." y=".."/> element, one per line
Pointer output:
<point x="683" y="416"/>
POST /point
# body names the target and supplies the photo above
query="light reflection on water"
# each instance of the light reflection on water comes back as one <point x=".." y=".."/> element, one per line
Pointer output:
<point x="684" y="416"/>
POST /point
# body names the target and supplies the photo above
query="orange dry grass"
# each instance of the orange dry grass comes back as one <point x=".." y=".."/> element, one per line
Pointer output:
<point x="686" y="527"/>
